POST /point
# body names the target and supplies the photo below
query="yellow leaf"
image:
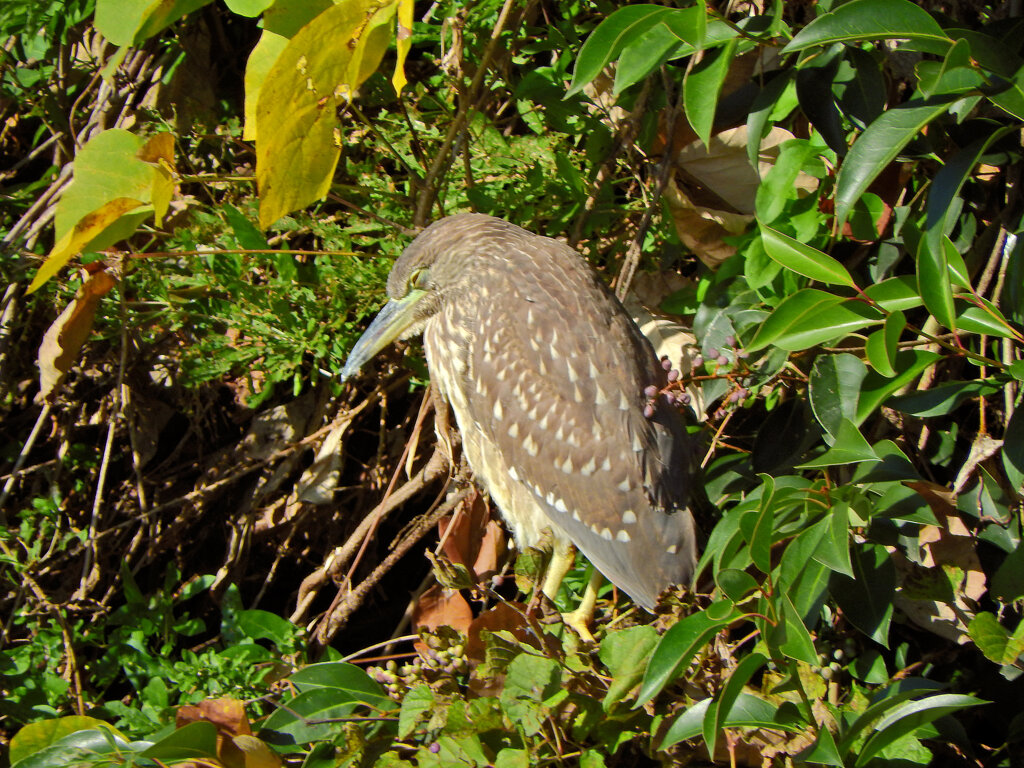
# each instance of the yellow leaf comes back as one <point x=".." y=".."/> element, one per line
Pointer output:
<point x="87" y="228"/>
<point x="403" y="42"/>
<point x="296" y="151"/>
<point x="158" y="151"/>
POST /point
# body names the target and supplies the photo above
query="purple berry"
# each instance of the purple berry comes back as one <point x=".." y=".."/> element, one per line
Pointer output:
<point x="684" y="398"/>
<point x="722" y="360"/>
<point x="698" y="361"/>
<point x="730" y="340"/>
<point x="434" y="748"/>
<point x="666" y="363"/>
<point x="673" y="375"/>
<point x="650" y="391"/>
<point x="712" y="352"/>
<point x="648" y="411"/>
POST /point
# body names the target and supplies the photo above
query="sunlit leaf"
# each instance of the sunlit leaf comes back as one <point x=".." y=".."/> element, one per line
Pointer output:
<point x="879" y="145"/>
<point x="869" y="20"/>
<point x="803" y="259"/>
<point x="701" y="86"/>
<point x="810" y="317"/>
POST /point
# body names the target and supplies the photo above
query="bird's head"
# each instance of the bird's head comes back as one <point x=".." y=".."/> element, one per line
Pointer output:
<point x="431" y="270"/>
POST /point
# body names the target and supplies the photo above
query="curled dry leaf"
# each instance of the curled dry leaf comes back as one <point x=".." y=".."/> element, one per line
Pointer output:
<point x="712" y="194"/>
<point x="64" y="339"/>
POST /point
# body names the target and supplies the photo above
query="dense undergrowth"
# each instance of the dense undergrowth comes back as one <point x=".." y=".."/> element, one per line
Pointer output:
<point x="214" y="553"/>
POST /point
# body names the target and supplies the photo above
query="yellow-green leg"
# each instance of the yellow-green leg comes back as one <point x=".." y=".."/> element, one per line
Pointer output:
<point x="579" y="620"/>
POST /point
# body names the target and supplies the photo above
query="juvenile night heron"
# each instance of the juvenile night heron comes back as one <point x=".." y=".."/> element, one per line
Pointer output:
<point x="545" y="372"/>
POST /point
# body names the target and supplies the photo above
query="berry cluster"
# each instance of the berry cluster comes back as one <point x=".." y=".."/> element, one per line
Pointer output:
<point x="442" y="657"/>
<point x="673" y="394"/>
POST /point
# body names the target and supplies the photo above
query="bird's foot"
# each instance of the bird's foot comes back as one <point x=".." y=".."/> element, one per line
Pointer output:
<point x="579" y="622"/>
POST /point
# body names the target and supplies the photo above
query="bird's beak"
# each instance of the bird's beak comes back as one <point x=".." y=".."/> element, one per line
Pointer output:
<point x="394" y="318"/>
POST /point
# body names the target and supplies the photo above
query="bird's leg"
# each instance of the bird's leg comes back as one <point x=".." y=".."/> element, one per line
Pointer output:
<point x="562" y="559"/>
<point x="580" y="619"/>
<point x="442" y="425"/>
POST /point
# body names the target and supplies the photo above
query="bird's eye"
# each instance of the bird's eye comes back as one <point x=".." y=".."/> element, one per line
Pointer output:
<point x="419" y="278"/>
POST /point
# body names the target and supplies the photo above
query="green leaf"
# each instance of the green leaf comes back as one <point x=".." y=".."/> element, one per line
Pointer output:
<point x="341" y="676"/>
<point x="417" y="704"/>
<point x="680" y="644"/>
<point x="195" y="741"/>
<point x="896" y="293"/>
<point x="934" y="284"/>
<point x="879" y="145"/>
<point x="748" y="711"/>
<point x="41" y="734"/>
<point x="803" y="259"/>
<point x="866" y="599"/>
<point x="986" y="319"/>
<point x="833" y="550"/>
<point x="870" y="20"/>
<point x="319" y="68"/>
<point x="306" y="717"/>
<point x="127" y="22"/>
<point x="834" y="388"/>
<point x="797" y="643"/>
<point x="735" y="584"/>
<point x="882" y="346"/>
<point x="942" y="399"/>
<point x="625" y="654"/>
<point x="640" y="57"/>
<point x="850" y="447"/>
<point x="761" y="535"/>
<point x="909" y="717"/>
<point x="722" y="704"/>
<point x="1013" y="451"/>
<point x="994" y="640"/>
<point x="605" y="43"/>
<point x="876" y="388"/>
<point x="810" y="317"/>
<point x="702" y="85"/>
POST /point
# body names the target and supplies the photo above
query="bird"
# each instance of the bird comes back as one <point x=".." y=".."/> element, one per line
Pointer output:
<point x="549" y="380"/>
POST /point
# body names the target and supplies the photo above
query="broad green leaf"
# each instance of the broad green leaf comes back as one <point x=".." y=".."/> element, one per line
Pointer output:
<point x="250" y="8"/>
<point x="803" y="259"/>
<point x="810" y="317"/>
<point x="761" y="536"/>
<point x="195" y="741"/>
<point x="944" y="398"/>
<point x="127" y="22"/>
<point x="954" y="74"/>
<point x="879" y="145"/>
<point x="92" y="746"/>
<point x="934" y="284"/>
<point x="108" y="167"/>
<point x="882" y="346"/>
<point x="870" y="20"/>
<point x="905" y="689"/>
<point x="85" y="231"/>
<point x="1013" y="451"/>
<point x="605" y="43"/>
<point x="702" y="85"/>
<point x="349" y="679"/>
<point x="639" y="58"/>
<point x="320" y="67"/>
<point x="735" y="584"/>
<point x="869" y="667"/>
<point x="307" y="717"/>
<point x="994" y="640"/>
<point x="417" y="704"/>
<point x="680" y="644"/>
<point x="758" y="118"/>
<point x="986" y="319"/>
<point x="895" y="293"/>
<point x="833" y="550"/>
<point x="866" y="599"/>
<point x="721" y="706"/>
<point x="625" y="654"/>
<point x="907" y="718"/>
<point x="748" y="711"/>
<point x="850" y="447"/>
<point x="876" y="388"/>
<point x="41" y="734"/>
<point x="778" y="186"/>
<point x="796" y="643"/>
<point x="834" y="388"/>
